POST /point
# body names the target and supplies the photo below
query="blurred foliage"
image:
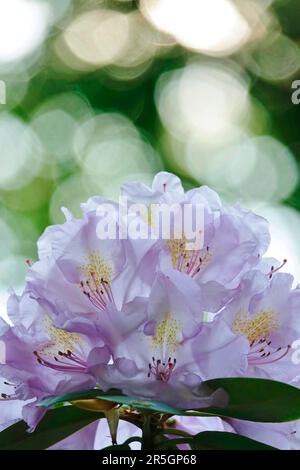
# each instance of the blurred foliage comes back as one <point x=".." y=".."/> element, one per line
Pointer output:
<point x="111" y="89"/>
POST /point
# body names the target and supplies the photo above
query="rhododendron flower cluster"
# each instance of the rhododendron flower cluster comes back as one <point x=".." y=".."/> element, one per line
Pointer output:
<point x="150" y="318"/>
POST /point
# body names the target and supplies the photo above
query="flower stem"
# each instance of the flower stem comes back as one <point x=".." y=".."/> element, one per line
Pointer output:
<point x="147" y="437"/>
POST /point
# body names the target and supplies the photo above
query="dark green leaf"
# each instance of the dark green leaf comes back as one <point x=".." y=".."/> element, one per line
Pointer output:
<point x="213" y="440"/>
<point x="56" y="425"/>
<point x="256" y="400"/>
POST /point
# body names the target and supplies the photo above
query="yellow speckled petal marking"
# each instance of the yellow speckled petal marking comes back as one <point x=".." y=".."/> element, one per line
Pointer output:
<point x="97" y="265"/>
<point x="260" y="327"/>
<point x="60" y="340"/>
<point x="166" y="334"/>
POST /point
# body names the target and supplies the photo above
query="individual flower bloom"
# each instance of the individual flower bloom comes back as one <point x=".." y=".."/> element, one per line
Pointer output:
<point x="89" y="308"/>
<point x="86" y="282"/>
<point x="265" y="311"/>
<point x="283" y="436"/>
<point x="233" y="242"/>
<point x="232" y="239"/>
<point x="42" y="360"/>
<point x="164" y="358"/>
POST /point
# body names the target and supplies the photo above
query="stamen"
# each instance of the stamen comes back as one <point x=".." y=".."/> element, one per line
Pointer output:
<point x="193" y="261"/>
<point x="8" y="383"/>
<point x="5" y="396"/>
<point x="108" y="290"/>
<point x="99" y="292"/>
<point x="267" y="354"/>
<point x="72" y="364"/>
<point x="188" y="261"/>
<point x="160" y="370"/>
<point x="273" y="270"/>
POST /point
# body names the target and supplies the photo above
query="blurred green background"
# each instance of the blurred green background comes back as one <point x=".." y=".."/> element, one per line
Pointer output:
<point x="101" y="91"/>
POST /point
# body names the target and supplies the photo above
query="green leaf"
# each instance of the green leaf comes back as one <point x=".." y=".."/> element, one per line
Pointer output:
<point x="115" y="396"/>
<point x="68" y="397"/>
<point x="56" y="425"/>
<point x="249" y="399"/>
<point x="214" y="440"/>
<point x="256" y="400"/>
<point x="144" y="404"/>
